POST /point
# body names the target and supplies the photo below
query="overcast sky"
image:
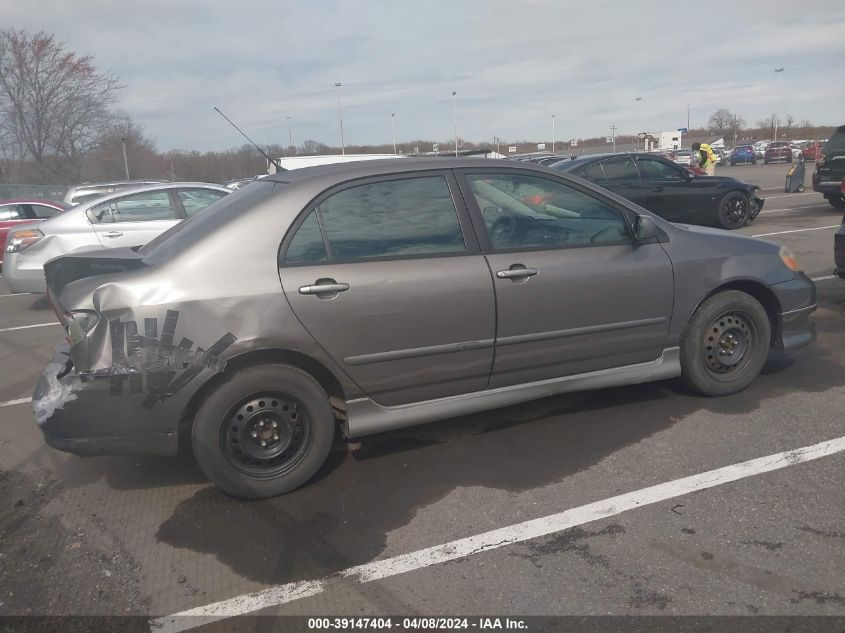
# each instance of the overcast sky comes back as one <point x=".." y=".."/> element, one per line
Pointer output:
<point x="513" y="63"/>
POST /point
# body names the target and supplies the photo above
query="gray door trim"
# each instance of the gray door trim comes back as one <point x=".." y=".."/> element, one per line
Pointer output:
<point x="365" y="416"/>
<point x="416" y="352"/>
<point x="588" y="329"/>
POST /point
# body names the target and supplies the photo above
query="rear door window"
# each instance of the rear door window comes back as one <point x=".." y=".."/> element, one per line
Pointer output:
<point x="195" y="200"/>
<point x="620" y="168"/>
<point x="594" y="172"/>
<point x="137" y="207"/>
<point x="10" y="212"/>
<point x="392" y="218"/>
<point x="42" y="211"/>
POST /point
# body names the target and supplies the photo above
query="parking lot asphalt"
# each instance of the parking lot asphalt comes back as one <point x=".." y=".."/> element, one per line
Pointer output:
<point x="150" y="536"/>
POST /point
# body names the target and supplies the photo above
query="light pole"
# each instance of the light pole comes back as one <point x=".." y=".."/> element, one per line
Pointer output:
<point x="337" y="85"/>
<point x="290" y="134"/>
<point x="455" y="117"/>
<point x="613" y="137"/>
<point x="553" y="134"/>
<point x="639" y="116"/>
<point x="393" y="120"/>
<point x="688" y="118"/>
<point x="496" y="140"/>
<point x="125" y="159"/>
<point x="777" y="101"/>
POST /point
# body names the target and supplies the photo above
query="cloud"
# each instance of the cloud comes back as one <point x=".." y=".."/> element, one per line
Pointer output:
<point x="513" y="64"/>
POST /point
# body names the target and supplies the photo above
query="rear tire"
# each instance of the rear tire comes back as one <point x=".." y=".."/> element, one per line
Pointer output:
<point x="725" y="344"/>
<point x="837" y="201"/>
<point x="267" y="430"/>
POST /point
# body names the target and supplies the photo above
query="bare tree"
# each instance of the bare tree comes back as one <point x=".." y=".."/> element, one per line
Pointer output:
<point x="789" y="121"/>
<point x="56" y="102"/>
<point x="724" y="120"/>
<point x="767" y="124"/>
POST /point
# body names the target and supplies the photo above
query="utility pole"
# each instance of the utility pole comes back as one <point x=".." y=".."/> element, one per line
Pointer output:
<point x="735" y="124"/>
<point x="553" y="134"/>
<point x="455" y="116"/>
<point x="393" y="119"/>
<point x="496" y="140"/>
<point x="688" y="118"/>
<point x="777" y="101"/>
<point x="290" y="135"/>
<point x="613" y="137"/>
<point x="125" y="160"/>
<point x="337" y="85"/>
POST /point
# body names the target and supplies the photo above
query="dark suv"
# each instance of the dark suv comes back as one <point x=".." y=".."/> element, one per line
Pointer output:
<point x="830" y="169"/>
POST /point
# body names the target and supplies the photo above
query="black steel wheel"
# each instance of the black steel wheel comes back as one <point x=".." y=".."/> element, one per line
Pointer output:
<point x="734" y="210"/>
<point x="724" y="347"/>
<point x="725" y="343"/>
<point x="266" y="435"/>
<point x="264" y="431"/>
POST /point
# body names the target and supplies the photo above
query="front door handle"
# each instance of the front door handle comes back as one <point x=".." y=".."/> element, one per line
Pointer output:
<point x="517" y="273"/>
<point x="324" y="287"/>
<point x="113" y="234"/>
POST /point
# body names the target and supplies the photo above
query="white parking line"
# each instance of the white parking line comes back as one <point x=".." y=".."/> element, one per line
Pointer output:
<point x="15" y="294"/>
<point x="825" y="278"/>
<point x="494" y="539"/>
<point x="793" y="195"/>
<point x="801" y="208"/>
<point x="25" y="327"/>
<point x="815" y="228"/>
<point x="9" y="403"/>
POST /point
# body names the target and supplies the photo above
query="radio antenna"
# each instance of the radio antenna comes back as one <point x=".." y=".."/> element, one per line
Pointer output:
<point x="275" y="161"/>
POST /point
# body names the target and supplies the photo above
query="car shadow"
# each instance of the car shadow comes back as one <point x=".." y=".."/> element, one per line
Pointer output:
<point x="42" y="302"/>
<point x="342" y="518"/>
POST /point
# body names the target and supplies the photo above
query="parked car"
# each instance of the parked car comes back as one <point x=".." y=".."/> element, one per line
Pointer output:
<point x="25" y="211"/>
<point x="682" y="156"/>
<point x="548" y="160"/>
<point x="796" y="150"/>
<point x="297" y="316"/>
<point x="90" y="190"/>
<point x="743" y="154"/>
<point x="830" y="169"/>
<point x="812" y="151"/>
<point x="668" y="190"/>
<point x="777" y="152"/>
<point x="760" y="148"/>
<point x="128" y="217"/>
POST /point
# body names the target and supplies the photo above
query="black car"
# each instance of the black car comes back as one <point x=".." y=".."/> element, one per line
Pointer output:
<point x="839" y="251"/>
<point x="830" y="169"/>
<point x="669" y="190"/>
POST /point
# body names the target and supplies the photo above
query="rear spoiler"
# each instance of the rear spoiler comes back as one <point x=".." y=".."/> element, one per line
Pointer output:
<point x="61" y="271"/>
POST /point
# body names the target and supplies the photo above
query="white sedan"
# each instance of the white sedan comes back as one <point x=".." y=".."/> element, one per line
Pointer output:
<point x="130" y="217"/>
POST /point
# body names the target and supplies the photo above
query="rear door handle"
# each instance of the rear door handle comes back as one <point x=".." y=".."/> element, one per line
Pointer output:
<point x="319" y="289"/>
<point x="113" y="234"/>
<point x="517" y="273"/>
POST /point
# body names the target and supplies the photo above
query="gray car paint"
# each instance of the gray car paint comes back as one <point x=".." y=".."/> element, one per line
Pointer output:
<point x="218" y="273"/>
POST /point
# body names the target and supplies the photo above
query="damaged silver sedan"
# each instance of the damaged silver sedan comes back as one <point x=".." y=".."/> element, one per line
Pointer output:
<point x="377" y="295"/>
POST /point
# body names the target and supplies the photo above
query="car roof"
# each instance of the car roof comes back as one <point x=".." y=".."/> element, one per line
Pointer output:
<point x="52" y="203"/>
<point x="366" y="168"/>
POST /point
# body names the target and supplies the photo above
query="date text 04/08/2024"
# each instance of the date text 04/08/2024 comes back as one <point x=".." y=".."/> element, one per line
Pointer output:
<point x="417" y="623"/>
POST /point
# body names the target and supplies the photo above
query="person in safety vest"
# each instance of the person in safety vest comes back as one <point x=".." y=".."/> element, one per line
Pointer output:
<point x="707" y="157"/>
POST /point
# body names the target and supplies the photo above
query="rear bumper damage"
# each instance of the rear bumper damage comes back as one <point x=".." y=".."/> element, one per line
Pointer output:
<point x="82" y="414"/>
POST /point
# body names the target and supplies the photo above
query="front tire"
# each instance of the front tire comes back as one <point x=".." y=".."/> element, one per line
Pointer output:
<point x="265" y="431"/>
<point x="734" y="210"/>
<point x="725" y="344"/>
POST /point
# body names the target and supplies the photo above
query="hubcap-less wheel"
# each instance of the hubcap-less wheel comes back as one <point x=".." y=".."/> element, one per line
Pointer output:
<point x="265" y="435"/>
<point x="726" y="343"/>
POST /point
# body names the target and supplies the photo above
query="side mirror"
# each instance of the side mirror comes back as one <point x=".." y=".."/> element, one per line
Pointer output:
<point x="645" y="230"/>
<point x="688" y="175"/>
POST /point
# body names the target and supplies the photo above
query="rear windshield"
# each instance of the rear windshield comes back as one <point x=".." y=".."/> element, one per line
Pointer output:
<point x="837" y="141"/>
<point x="219" y="213"/>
